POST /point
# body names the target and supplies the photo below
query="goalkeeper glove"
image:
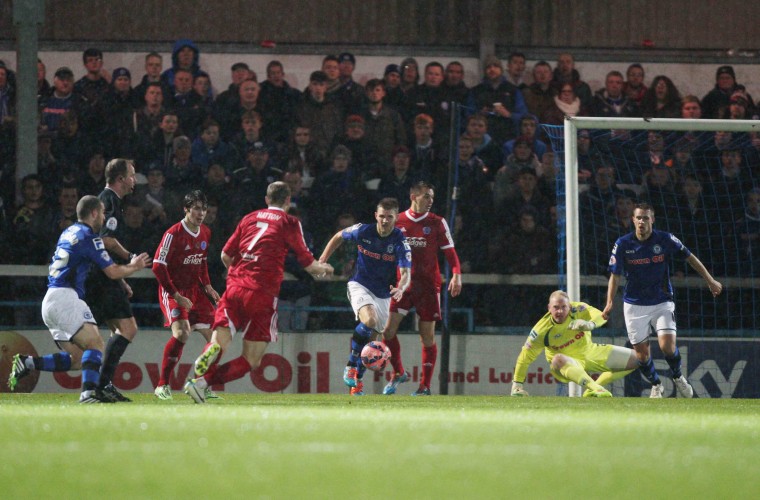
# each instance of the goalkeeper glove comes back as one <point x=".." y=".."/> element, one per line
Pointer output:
<point x="517" y="389"/>
<point x="582" y="325"/>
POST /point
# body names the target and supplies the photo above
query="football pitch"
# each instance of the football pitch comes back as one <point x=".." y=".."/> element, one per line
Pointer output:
<point x="334" y="446"/>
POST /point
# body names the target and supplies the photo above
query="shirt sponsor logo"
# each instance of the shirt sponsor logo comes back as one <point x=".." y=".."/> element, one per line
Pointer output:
<point x="416" y="242"/>
<point x="194" y="259"/>
<point x="99" y="245"/>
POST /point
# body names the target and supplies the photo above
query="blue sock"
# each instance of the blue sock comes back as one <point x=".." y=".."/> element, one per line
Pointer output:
<point x="58" y="362"/>
<point x="91" y="361"/>
<point x="362" y="334"/>
<point x="647" y="369"/>
<point x="675" y="363"/>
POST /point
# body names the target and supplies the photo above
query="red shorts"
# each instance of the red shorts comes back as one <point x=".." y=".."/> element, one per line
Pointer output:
<point x="201" y="315"/>
<point x="425" y="299"/>
<point x="250" y="312"/>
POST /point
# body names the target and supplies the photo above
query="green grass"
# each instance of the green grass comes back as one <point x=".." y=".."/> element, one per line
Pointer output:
<point x="331" y="446"/>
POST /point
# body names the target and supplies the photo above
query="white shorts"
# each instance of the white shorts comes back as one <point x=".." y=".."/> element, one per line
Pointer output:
<point x="64" y="313"/>
<point x="641" y="321"/>
<point x="359" y="297"/>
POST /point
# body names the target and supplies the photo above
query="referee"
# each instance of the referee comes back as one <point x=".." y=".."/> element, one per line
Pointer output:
<point x="109" y="299"/>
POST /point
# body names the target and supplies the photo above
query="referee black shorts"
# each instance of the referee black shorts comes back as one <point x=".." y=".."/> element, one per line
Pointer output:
<point x="106" y="298"/>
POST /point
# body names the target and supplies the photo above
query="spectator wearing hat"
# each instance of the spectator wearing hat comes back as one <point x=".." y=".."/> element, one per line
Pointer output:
<point x="565" y="72"/>
<point x="154" y="63"/>
<point x="720" y="96"/>
<point x="239" y="72"/>
<point x="350" y="93"/>
<point x="62" y="99"/>
<point x="738" y="107"/>
<point x="394" y="95"/>
<point x="538" y="95"/>
<point x="118" y="107"/>
<point x="278" y="102"/>
<point x="186" y="56"/>
<point x="384" y="128"/>
<point x="500" y="100"/>
<point x="323" y="116"/>
<point x="397" y="182"/>
<point x="662" y="99"/>
<point x="410" y="74"/>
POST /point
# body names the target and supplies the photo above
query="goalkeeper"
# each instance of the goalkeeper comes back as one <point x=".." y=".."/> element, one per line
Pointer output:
<point x="565" y="333"/>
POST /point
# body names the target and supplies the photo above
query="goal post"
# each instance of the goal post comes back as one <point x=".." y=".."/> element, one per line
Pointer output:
<point x="571" y="127"/>
<point x="719" y="333"/>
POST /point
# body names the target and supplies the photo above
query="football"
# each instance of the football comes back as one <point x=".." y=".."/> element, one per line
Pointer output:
<point x="375" y="355"/>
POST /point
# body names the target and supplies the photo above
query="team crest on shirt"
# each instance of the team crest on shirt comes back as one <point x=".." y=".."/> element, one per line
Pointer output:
<point x="390" y="249"/>
<point x="112" y="223"/>
<point x="426" y="230"/>
<point x="87" y="315"/>
<point x="657" y="249"/>
<point x="203" y="245"/>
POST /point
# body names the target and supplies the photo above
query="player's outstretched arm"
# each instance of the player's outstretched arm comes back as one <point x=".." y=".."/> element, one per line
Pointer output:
<point x="117" y="271"/>
<point x="612" y="287"/>
<point x="319" y="269"/>
<point x="335" y="242"/>
<point x="715" y="286"/>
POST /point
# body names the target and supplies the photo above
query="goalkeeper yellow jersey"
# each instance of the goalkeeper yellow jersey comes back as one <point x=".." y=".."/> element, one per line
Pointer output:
<point x="556" y="338"/>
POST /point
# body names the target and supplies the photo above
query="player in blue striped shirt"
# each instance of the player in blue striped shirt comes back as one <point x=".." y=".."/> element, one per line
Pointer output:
<point x="643" y="257"/>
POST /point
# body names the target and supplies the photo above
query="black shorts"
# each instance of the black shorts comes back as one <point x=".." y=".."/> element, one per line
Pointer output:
<point x="106" y="298"/>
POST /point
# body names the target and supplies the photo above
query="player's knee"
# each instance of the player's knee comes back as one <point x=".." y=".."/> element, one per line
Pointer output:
<point x="558" y="362"/>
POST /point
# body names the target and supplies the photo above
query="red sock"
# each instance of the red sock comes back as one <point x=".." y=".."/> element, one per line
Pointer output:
<point x="429" y="356"/>
<point x="172" y="353"/>
<point x="395" y="346"/>
<point x="232" y="370"/>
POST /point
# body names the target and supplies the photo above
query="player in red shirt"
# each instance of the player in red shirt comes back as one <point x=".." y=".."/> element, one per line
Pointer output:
<point x="426" y="233"/>
<point x="255" y="258"/>
<point x="184" y="292"/>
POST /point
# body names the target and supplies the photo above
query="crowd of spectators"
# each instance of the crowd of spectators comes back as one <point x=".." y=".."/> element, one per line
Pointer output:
<point x="341" y="146"/>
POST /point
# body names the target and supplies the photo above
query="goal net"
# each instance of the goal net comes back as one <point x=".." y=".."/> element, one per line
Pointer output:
<point x="703" y="179"/>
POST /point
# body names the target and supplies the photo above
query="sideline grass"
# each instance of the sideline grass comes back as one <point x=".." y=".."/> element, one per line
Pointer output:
<point x="332" y="446"/>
